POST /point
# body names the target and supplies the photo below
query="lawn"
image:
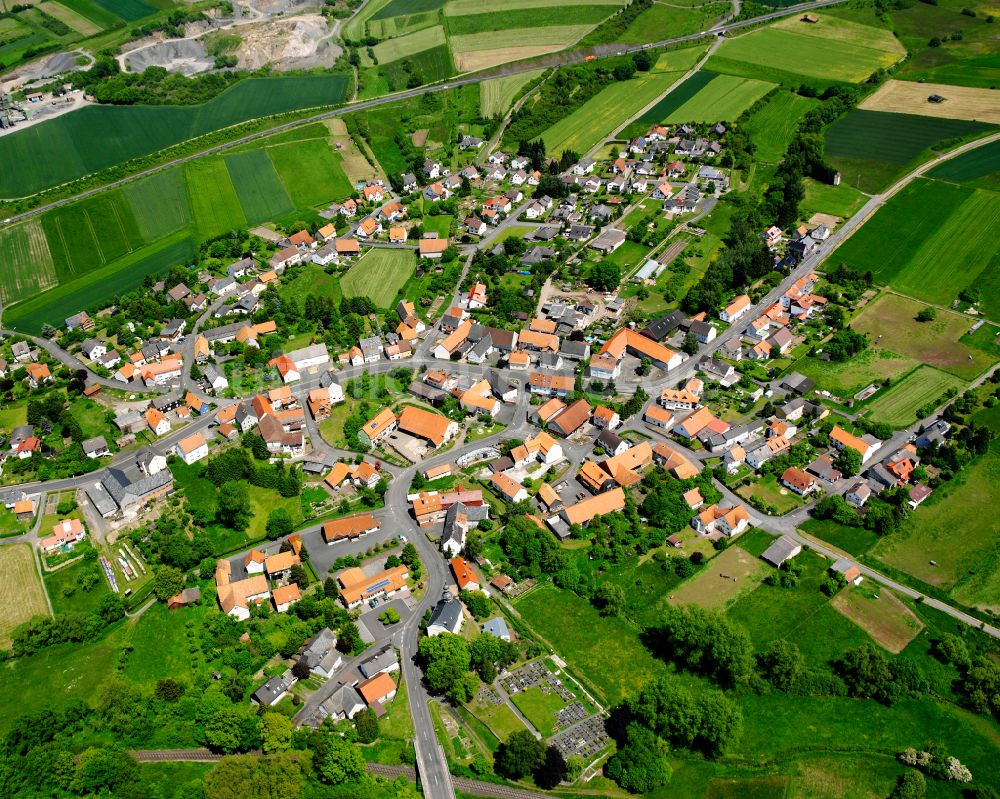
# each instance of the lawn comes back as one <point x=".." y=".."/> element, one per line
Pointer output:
<point x="898" y="406"/>
<point x="9" y="524"/>
<point x="595" y="120"/>
<point x="166" y="643"/>
<point x="873" y="148"/>
<point x="28" y="267"/>
<point x="102" y="136"/>
<point x="66" y="594"/>
<point x="497" y="95"/>
<point x="956" y="528"/>
<point x="577" y="631"/>
<point x="767" y="490"/>
<point x="379" y="275"/>
<point x="834" y="49"/>
<point x="21" y="592"/>
<point x="262" y="502"/>
<point x="852" y="540"/>
<point x="891" y="322"/>
<point x="771" y="128"/>
<point x="730" y="574"/>
<point x="879" y="613"/>
<point x="539" y="708"/>
<point x="260" y="192"/>
<point x="90" y="415"/>
<point x="440" y="224"/>
<point x="821" y="198"/>
<point x="310" y="279"/>
<point x="500" y="719"/>
<point x="724" y="97"/>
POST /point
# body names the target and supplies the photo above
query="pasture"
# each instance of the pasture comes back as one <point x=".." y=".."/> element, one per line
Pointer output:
<point x="771" y="128"/>
<point x="28" y="267"/>
<point x="477" y="51"/>
<point x="722" y="581"/>
<point x="723" y="97"/>
<point x="898" y="405"/>
<point x="497" y="95"/>
<point x="882" y="615"/>
<point x="546" y="609"/>
<point x="21" y="590"/>
<point x="98" y="137"/>
<point x="595" y="120"/>
<point x="847" y="378"/>
<point x="379" y="275"/>
<point x="661" y="20"/>
<point x="833" y="49"/>
<point x="930" y="241"/>
<point x="940" y="531"/>
<point x="890" y="323"/>
<point x="873" y="148"/>
<point x="407" y="45"/>
<point x="904" y="97"/>
<point x="679" y="60"/>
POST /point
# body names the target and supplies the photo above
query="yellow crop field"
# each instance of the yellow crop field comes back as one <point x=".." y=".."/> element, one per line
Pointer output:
<point x="960" y="102"/>
<point x="21" y="592"/>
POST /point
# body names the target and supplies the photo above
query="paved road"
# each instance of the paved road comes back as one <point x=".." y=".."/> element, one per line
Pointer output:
<point x="557" y="59"/>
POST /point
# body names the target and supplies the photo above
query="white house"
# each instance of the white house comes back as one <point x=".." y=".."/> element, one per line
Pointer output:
<point x="192" y="449"/>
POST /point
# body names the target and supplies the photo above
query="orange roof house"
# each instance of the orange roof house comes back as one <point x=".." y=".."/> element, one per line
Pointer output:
<point x="379" y="688"/>
<point x="465" y="578"/>
<point x="598" y="505"/>
<point x="632" y="341"/>
<point x="349" y="527"/>
<point x="429" y="426"/>
<point x="432" y="248"/>
<point x="285" y="596"/>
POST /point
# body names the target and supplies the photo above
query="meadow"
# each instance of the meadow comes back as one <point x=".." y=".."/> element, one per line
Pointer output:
<point x="595" y="120"/>
<point x="843" y="200"/>
<point x="898" y="405"/>
<point x="98" y="137"/>
<point x="661" y="21"/>
<point x="888" y="621"/>
<point x="497" y="95"/>
<point x="930" y="241"/>
<point x="771" y="127"/>
<point x="20" y="590"/>
<point x="873" y="148"/>
<point x="724" y="97"/>
<point x="732" y="573"/>
<point x="833" y="49"/>
<point x="379" y="275"/>
<point x="311" y="172"/>
<point x="890" y="322"/>
<point x="940" y="531"/>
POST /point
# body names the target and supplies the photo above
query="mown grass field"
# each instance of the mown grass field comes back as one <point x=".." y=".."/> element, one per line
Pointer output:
<point x="724" y="97"/>
<point x="873" y="148"/>
<point x="888" y="621"/>
<point x="497" y="95"/>
<point x="730" y="574"/>
<point x="832" y="49"/>
<point x="956" y="527"/>
<point x="890" y="323"/>
<point x="961" y="102"/>
<point x="99" y="137"/>
<point x="407" y="45"/>
<point x="898" y="406"/>
<point x="477" y="51"/>
<point x="20" y="590"/>
<point x="930" y="241"/>
<point x="379" y="275"/>
<point x="594" y="121"/>
<point x="539" y="708"/>
<point x="772" y="127"/>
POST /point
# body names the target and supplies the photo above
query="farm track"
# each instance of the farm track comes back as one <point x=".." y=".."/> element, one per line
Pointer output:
<point x="552" y="60"/>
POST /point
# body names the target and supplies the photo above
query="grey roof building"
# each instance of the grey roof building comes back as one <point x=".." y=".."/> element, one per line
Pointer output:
<point x="129" y="487"/>
<point x="446" y="618"/>
<point x="320" y="653"/>
<point x="272" y="692"/>
<point x="781" y="550"/>
<point x="383" y="660"/>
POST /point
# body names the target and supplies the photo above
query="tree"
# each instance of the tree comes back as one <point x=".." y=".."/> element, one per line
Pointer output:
<point x="910" y="785"/>
<point x="111" y="609"/>
<point x="605" y="276"/>
<point x="781" y="663"/>
<point x="552" y="771"/>
<point x="927" y="314"/>
<point x="641" y="765"/>
<point x="366" y="724"/>
<point x="340" y="762"/>
<point x="234" y="505"/>
<point x="168" y="582"/>
<point x="299" y="576"/>
<point x="280" y="776"/>
<point x="610" y="599"/>
<point x="279" y="523"/>
<point x="690" y="345"/>
<point x="169" y="690"/>
<point x="707" y="642"/>
<point x="477" y="602"/>
<point x="848" y="461"/>
<point x="330" y="588"/>
<point x="276" y="732"/>
<point x="232" y="729"/>
<point x="101" y="769"/>
<point x="445" y="659"/>
<point x="519" y="755"/>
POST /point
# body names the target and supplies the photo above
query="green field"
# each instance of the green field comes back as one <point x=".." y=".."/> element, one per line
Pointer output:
<point x="981" y="165"/>
<point x="723" y="98"/>
<point x="843" y="200"/>
<point x="214" y="203"/>
<point x="403" y="46"/>
<point x="99" y="137"/>
<point x="898" y="406"/>
<point x="873" y="148"/>
<point x="547" y="610"/>
<point x="671" y="102"/>
<point x="311" y="172"/>
<point x="455" y="8"/>
<point x="475" y="51"/>
<point x="28" y="267"/>
<point x="379" y="275"/>
<point x="847" y="378"/>
<point x="594" y="121"/>
<point x="396" y="7"/>
<point x="957" y="527"/>
<point x="833" y="49"/>
<point x="930" y="241"/>
<point x="66" y="594"/>
<point x="509" y="19"/>
<point x="773" y="126"/>
<point x="260" y="192"/>
<point x="20" y="590"/>
<point x="497" y="95"/>
<point x="539" y="708"/>
<point x="159" y="203"/>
